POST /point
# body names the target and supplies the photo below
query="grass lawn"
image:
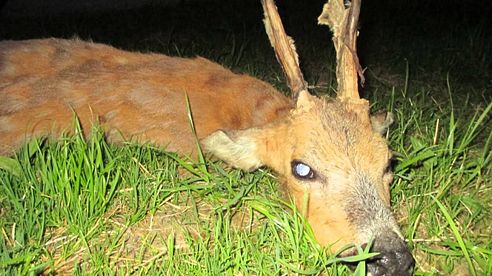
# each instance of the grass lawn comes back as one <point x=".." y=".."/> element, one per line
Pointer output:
<point x="79" y="207"/>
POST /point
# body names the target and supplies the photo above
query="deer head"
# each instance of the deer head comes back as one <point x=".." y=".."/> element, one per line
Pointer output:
<point x="330" y="153"/>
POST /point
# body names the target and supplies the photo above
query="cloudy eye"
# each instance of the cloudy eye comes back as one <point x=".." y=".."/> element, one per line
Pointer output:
<point x="301" y="170"/>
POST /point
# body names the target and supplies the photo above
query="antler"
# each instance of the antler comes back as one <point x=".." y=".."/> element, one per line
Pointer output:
<point x="343" y="23"/>
<point x="284" y="47"/>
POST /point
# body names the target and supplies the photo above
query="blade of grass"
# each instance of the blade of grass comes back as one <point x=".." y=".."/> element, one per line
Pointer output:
<point x="456" y="234"/>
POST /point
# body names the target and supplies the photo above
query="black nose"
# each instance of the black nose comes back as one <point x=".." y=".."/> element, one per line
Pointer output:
<point x="394" y="257"/>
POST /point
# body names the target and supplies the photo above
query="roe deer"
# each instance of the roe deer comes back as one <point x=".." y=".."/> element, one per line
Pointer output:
<point x="332" y="162"/>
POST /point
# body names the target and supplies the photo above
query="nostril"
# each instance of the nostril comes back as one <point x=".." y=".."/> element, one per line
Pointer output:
<point x="394" y="258"/>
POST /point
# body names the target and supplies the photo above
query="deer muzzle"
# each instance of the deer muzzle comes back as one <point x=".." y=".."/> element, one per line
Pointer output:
<point x="374" y="220"/>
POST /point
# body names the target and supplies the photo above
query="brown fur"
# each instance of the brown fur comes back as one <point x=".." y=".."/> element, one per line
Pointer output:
<point x="141" y="95"/>
<point x="239" y="119"/>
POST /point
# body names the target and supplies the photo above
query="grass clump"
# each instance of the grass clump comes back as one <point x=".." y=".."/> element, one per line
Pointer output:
<point x="78" y="206"/>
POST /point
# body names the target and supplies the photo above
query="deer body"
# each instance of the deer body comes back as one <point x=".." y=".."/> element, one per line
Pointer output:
<point x="325" y="150"/>
<point x="133" y="96"/>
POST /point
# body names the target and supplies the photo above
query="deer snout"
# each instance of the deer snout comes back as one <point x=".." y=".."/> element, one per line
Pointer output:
<point x="394" y="257"/>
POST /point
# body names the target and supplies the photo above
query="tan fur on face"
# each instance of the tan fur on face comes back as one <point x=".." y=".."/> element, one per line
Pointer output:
<point x="337" y="141"/>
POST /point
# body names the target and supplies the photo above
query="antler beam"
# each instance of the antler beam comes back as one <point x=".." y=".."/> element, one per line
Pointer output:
<point x="284" y="47"/>
<point x="343" y="22"/>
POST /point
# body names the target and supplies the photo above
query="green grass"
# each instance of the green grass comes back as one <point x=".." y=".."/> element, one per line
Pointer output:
<point x="443" y="187"/>
<point x="71" y="204"/>
<point x="80" y="207"/>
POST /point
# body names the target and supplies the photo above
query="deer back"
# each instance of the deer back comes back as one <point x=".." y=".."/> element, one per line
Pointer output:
<point x="45" y="83"/>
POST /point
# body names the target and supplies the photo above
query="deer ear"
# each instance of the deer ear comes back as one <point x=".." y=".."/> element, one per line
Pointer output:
<point x="381" y="121"/>
<point x="237" y="148"/>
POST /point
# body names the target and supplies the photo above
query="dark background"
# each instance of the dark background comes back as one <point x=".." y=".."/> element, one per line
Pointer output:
<point x="427" y="39"/>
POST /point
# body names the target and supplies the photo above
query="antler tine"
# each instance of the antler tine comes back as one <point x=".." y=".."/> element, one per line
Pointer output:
<point x="343" y="23"/>
<point x="284" y="47"/>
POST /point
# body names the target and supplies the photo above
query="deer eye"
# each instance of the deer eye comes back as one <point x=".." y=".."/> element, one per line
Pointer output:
<point x="302" y="171"/>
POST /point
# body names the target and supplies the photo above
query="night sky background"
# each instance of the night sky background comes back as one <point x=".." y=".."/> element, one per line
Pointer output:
<point x="433" y="37"/>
